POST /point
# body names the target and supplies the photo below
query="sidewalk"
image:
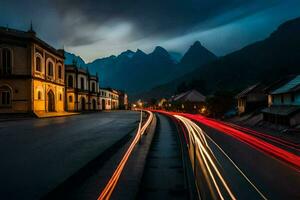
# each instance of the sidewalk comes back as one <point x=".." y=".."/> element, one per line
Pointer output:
<point x="42" y="114"/>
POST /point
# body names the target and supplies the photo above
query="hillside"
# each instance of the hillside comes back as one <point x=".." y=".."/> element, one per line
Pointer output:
<point x="136" y="72"/>
<point x="266" y="60"/>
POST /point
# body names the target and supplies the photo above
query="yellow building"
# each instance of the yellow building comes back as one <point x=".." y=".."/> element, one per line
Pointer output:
<point x="82" y="89"/>
<point x="109" y="99"/>
<point x="31" y="74"/>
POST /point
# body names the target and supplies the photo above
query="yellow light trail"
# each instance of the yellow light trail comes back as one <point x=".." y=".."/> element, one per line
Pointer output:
<point x="110" y="186"/>
<point x="199" y="139"/>
<point x="202" y="146"/>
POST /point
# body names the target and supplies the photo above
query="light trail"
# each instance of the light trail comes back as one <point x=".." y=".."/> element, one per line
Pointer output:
<point x="195" y="129"/>
<point x="110" y="186"/>
<point x="206" y="154"/>
<point x="271" y="138"/>
<point x="248" y="139"/>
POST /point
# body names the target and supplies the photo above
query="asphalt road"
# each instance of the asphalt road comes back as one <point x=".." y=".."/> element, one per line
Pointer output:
<point x="274" y="178"/>
<point x="38" y="154"/>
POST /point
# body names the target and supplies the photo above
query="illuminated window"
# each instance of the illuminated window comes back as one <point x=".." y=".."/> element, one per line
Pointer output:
<point x="38" y="64"/>
<point x="6" y="61"/>
<point x="50" y="69"/>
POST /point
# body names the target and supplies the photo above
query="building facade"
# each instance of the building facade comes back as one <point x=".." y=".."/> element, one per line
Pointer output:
<point x="109" y="99"/>
<point x="284" y="103"/>
<point x="82" y="90"/>
<point x="251" y="99"/>
<point x="123" y="100"/>
<point x="31" y="74"/>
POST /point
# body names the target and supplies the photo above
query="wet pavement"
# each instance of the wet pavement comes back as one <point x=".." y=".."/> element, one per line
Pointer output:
<point x="38" y="154"/>
<point x="163" y="177"/>
<point x="274" y="178"/>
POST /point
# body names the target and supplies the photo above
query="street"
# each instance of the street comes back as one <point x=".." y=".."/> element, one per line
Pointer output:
<point x="238" y="169"/>
<point x="37" y="155"/>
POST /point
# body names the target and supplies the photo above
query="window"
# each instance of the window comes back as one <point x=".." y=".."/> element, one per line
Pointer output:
<point x="70" y="81"/>
<point x="38" y="64"/>
<point x="293" y="97"/>
<point x="82" y="83"/>
<point x="6" y="61"/>
<point x="70" y="99"/>
<point x="282" y="98"/>
<point x="60" y="72"/>
<point x="60" y="97"/>
<point x="5" y="96"/>
<point x="93" y="87"/>
<point x="39" y="95"/>
<point x="50" y="69"/>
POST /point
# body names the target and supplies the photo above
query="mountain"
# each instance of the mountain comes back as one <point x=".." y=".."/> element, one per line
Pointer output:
<point x="266" y="60"/>
<point x="196" y="56"/>
<point x="70" y="58"/>
<point x="176" y="57"/>
<point x="137" y="72"/>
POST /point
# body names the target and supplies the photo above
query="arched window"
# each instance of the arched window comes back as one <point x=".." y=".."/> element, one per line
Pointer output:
<point x="6" y="61"/>
<point x="38" y="64"/>
<point x="39" y="95"/>
<point x="50" y="69"/>
<point x="60" y="72"/>
<point x="70" y="81"/>
<point x="5" y="96"/>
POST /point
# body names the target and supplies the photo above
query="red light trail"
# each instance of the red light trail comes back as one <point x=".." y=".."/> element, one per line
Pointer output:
<point x="256" y="142"/>
<point x="110" y="186"/>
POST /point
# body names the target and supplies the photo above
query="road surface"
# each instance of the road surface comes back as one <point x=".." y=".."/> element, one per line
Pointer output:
<point x="38" y="154"/>
<point x="237" y="165"/>
<point x="163" y="176"/>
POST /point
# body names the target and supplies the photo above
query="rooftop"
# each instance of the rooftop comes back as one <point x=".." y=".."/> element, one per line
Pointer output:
<point x="291" y="86"/>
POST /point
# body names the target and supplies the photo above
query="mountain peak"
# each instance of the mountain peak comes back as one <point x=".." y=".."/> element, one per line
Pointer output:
<point x="197" y="43"/>
<point x="127" y="53"/>
<point x="160" y="51"/>
<point x="196" y="55"/>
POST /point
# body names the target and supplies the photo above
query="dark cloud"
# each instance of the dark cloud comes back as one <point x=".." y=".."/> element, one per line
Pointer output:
<point x="162" y="17"/>
<point x="96" y="28"/>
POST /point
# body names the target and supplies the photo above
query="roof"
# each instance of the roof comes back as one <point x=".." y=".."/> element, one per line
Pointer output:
<point x="277" y="84"/>
<point x="281" y="110"/>
<point x="256" y="88"/>
<point x="291" y="86"/>
<point x="191" y="95"/>
<point x="29" y="36"/>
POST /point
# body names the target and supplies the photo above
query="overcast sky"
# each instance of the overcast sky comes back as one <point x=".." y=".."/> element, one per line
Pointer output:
<point x="99" y="28"/>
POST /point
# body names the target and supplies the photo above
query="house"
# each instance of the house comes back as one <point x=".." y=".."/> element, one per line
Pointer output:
<point x="283" y="102"/>
<point x="82" y="89"/>
<point x="123" y="100"/>
<point x="251" y="99"/>
<point x="109" y="99"/>
<point x="32" y="76"/>
<point x="191" y="101"/>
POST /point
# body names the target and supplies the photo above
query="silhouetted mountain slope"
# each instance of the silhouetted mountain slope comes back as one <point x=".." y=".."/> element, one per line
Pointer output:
<point x="196" y="56"/>
<point x="70" y="58"/>
<point x="266" y="60"/>
<point x="136" y="72"/>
